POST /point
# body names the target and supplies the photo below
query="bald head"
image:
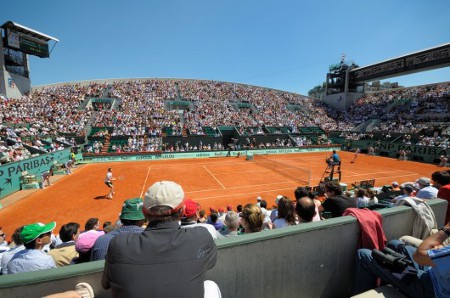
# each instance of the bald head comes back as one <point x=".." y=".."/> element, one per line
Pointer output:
<point x="306" y="209"/>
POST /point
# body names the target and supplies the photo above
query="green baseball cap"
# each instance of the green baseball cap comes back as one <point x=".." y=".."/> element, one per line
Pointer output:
<point x="33" y="231"/>
<point x="132" y="209"/>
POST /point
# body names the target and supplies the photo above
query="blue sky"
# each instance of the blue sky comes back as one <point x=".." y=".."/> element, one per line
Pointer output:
<point x="287" y="45"/>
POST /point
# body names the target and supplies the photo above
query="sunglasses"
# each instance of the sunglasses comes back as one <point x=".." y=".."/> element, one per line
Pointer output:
<point x="3" y="235"/>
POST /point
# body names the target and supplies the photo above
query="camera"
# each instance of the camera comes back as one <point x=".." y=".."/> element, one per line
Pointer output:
<point x="391" y="259"/>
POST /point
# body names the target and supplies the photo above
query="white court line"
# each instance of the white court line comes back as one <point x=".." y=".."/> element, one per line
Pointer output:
<point x="244" y="194"/>
<point x="145" y="181"/>
<point x="242" y="187"/>
<point x="214" y="177"/>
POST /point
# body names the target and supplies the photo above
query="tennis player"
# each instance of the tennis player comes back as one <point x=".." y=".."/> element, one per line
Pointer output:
<point x="109" y="182"/>
<point x="356" y="155"/>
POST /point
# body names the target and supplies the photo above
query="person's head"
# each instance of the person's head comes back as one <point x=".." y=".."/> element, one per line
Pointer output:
<point x="277" y="199"/>
<point x="232" y="221"/>
<point x="106" y="223"/>
<point x="163" y="202"/>
<point x="423" y="182"/>
<point x="131" y="214"/>
<point x="252" y="218"/>
<point x="408" y="189"/>
<point x="394" y="184"/>
<point x="263" y="204"/>
<point x="361" y="193"/>
<point x="92" y="224"/>
<point x="2" y="236"/>
<point x="239" y="208"/>
<point x="229" y="207"/>
<point x="201" y="213"/>
<point x="440" y="178"/>
<point x="110" y="170"/>
<point x="334" y="151"/>
<point x="213" y="216"/>
<point x="332" y="188"/>
<point x="305" y="209"/>
<point x="286" y="210"/>
<point x="300" y="192"/>
<point x="69" y="232"/>
<point x="16" y="236"/>
<point x="37" y="235"/>
<point x="190" y="210"/>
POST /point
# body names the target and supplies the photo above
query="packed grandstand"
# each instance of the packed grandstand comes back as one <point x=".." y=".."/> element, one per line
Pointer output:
<point x="142" y="115"/>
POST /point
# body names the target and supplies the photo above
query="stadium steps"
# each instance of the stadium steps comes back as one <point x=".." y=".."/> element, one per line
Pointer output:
<point x="105" y="147"/>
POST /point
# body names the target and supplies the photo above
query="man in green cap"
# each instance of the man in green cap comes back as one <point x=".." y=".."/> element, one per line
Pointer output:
<point x="132" y="220"/>
<point x="32" y="258"/>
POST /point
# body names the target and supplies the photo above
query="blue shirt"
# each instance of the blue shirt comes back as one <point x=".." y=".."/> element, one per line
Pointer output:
<point x="101" y="244"/>
<point x="7" y="256"/>
<point x="30" y="260"/>
<point x="335" y="157"/>
<point x="440" y="274"/>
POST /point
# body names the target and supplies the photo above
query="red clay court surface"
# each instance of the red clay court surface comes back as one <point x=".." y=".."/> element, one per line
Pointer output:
<point x="212" y="182"/>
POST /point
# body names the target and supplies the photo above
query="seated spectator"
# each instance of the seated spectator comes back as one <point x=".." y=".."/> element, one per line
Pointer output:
<point x="362" y="201"/>
<point x="221" y="215"/>
<point x="34" y="237"/>
<point x="252" y="219"/>
<point x="305" y="210"/>
<point x="427" y="277"/>
<point x="266" y="213"/>
<point x="190" y="218"/>
<point x="426" y="190"/>
<point x="86" y="240"/>
<point x="301" y="192"/>
<point x="372" y="197"/>
<point x="441" y="179"/>
<point x="92" y="223"/>
<point x="3" y="243"/>
<point x="176" y="259"/>
<point x="408" y="191"/>
<point x="232" y="223"/>
<point x="286" y="213"/>
<point x="64" y="253"/>
<point x="395" y="186"/>
<point x="335" y="202"/>
<point x="108" y="227"/>
<point x="213" y="220"/>
<point x="202" y="216"/>
<point x="17" y="246"/>
<point x="131" y="217"/>
<point x="274" y="212"/>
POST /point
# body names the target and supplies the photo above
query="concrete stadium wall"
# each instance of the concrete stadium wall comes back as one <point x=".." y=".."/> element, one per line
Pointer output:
<point x="308" y="260"/>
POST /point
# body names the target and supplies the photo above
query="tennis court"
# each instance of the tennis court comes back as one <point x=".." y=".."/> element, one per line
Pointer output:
<point x="212" y="182"/>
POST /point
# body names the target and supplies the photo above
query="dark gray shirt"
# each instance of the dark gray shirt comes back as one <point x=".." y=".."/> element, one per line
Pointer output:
<point x="163" y="261"/>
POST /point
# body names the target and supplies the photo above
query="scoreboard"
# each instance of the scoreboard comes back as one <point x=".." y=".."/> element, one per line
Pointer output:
<point x="26" y="43"/>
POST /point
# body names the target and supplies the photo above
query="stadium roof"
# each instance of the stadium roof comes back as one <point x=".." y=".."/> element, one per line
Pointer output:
<point x="28" y="31"/>
<point x="402" y="56"/>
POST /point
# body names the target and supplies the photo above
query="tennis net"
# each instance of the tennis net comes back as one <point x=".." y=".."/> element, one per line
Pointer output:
<point x="292" y="172"/>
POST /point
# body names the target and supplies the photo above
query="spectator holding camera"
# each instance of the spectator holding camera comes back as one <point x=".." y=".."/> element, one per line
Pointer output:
<point x="426" y="276"/>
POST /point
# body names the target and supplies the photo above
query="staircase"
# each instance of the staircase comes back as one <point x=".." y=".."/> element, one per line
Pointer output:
<point x="88" y="126"/>
<point x="106" y="144"/>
